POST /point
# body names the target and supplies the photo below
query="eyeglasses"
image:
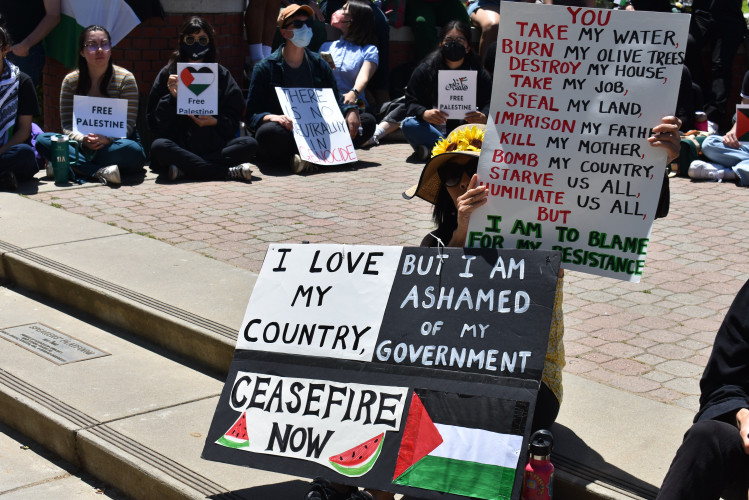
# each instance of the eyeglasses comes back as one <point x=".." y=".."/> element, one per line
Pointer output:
<point x="203" y="40"/>
<point x="93" y="46"/>
<point x="298" y="23"/>
<point x="459" y="39"/>
<point x="452" y="173"/>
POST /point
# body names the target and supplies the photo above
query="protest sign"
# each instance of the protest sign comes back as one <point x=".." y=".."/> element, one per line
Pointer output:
<point x="100" y="115"/>
<point x="742" y="122"/>
<point x="428" y="388"/>
<point x="566" y="157"/>
<point x="320" y="131"/>
<point x="457" y="92"/>
<point x="197" y="89"/>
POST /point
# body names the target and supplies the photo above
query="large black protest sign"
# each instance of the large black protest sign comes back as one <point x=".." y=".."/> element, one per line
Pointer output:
<point x="405" y="369"/>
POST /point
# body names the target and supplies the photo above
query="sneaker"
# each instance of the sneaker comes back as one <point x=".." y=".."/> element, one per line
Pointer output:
<point x="712" y="128"/>
<point x="8" y="181"/>
<point x="174" y="172"/>
<point x="372" y="141"/>
<point x="299" y="166"/>
<point x="49" y="170"/>
<point x="322" y="489"/>
<point x="108" y="175"/>
<point x="241" y="172"/>
<point x="700" y="169"/>
<point x="422" y="153"/>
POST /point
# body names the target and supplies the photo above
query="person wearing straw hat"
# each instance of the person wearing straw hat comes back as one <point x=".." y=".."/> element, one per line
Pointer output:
<point x="449" y="182"/>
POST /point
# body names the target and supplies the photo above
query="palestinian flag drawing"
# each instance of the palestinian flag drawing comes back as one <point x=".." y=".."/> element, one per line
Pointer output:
<point x="119" y="17"/>
<point x="462" y="445"/>
<point x="197" y="79"/>
<point x="742" y="122"/>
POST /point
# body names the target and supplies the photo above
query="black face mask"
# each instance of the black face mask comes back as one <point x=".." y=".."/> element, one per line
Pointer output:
<point x="194" y="51"/>
<point x="453" y="51"/>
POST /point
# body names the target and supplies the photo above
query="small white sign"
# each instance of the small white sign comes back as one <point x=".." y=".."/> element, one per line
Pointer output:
<point x="100" y="115"/>
<point x="457" y="92"/>
<point x="197" y="90"/>
<point x="320" y="131"/>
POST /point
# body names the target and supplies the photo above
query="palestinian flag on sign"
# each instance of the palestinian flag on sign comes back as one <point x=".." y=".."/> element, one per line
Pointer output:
<point x="463" y="445"/>
<point x="119" y="17"/>
<point x="742" y="123"/>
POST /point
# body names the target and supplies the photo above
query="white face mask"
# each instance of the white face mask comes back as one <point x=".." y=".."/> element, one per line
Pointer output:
<point x="302" y="36"/>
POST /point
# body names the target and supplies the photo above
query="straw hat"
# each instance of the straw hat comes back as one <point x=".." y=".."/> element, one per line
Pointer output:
<point x="462" y="146"/>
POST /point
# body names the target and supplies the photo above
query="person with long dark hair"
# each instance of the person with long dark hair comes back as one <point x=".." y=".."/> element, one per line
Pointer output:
<point x="426" y="123"/>
<point x="19" y="105"/>
<point x="100" y="157"/>
<point x="198" y="146"/>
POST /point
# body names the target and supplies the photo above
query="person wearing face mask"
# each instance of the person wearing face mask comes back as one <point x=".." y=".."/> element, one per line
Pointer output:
<point x="291" y="65"/>
<point x="196" y="146"/>
<point x="425" y="123"/>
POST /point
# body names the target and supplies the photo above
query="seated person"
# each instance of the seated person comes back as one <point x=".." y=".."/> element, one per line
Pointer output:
<point x="103" y="158"/>
<point x="425" y="123"/>
<point x="725" y="157"/>
<point x="19" y="105"/>
<point x="198" y="146"/>
<point x="292" y="65"/>
<point x="713" y="459"/>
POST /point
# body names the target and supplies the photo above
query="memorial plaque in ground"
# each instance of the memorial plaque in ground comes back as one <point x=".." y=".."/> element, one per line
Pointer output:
<point x="50" y="343"/>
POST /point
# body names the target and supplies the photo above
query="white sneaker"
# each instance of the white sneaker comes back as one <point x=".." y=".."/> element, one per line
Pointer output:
<point x="108" y="175"/>
<point x="372" y="141"/>
<point x="422" y="153"/>
<point x="299" y="166"/>
<point x="49" y="170"/>
<point x="700" y="169"/>
<point x="241" y="172"/>
<point x="174" y="172"/>
<point x="712" y="127"/>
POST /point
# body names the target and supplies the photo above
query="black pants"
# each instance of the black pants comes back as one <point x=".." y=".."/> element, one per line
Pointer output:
<point x="214" y="165"/>
<point x="547" y="409"/>
<point x="710" y="462"/>
<point x="725" y="34"/>
<point x="277" y="144"/>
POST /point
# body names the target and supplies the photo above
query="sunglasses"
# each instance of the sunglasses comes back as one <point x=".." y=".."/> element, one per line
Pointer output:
<point x="93" y="46"/>
<point x="298" y="23"/>
<point x="203" y="40"/>
<point x="451" y="174"/>
<point x="459" y="39"/>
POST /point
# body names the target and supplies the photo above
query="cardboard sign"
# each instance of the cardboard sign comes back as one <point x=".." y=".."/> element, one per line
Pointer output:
<point x="427" y="388"/>
<point x="100" y="115"/>
<point x="197" y="88"/>
<point x="320" y="131"/>
<point x="566" y="159"/>
<point x="457" y="92"/>
<point x="742" y="122"/>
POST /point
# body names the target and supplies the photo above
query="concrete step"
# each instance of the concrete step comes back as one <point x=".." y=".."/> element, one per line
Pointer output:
<point x="610" y="443"/>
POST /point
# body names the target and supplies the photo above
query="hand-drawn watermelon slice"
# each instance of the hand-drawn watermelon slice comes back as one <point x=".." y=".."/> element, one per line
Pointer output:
<point x="360" y="459"/>
<point x="236" y="437"/>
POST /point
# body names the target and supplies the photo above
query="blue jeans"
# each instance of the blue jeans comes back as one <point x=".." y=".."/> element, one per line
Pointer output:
<point x="127" y="154"/>
<point x="32" y="64"/>
<point x="420" y="133"/>
<point x="20" y="160"/>
<point x="737" y="159"/>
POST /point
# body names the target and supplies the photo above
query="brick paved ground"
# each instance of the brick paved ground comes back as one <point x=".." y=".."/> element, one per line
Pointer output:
<point x="652" y="338"/>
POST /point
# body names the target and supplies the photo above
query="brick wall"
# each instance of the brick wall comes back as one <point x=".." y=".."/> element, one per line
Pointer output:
<point x="146" y="49"/>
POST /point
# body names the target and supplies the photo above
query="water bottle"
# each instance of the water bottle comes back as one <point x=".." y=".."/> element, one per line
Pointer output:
<point x="538" y="480"/>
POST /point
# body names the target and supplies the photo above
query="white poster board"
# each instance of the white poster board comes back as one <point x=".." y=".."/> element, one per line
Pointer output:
<point x="328" y="281"/>
<point x="457" y="92"/>
<point x="320" y="131"/>
<point x="566" y="157"/>
<point x="197" y="89"/>
<point x="100" y="115"/>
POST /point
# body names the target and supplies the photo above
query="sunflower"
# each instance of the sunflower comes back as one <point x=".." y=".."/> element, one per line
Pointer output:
<point x="474" y="137"/>
<point x="441" y="146"/>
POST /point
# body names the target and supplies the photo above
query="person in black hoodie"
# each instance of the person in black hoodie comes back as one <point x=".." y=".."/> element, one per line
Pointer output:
<point x="713" y="459"/>
<point x="198" y="147"/>
<point x="425" y="123"/>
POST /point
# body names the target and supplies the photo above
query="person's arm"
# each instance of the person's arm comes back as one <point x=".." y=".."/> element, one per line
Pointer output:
<point x="483" y="98"/>
<point x="368" y="69"/>
<point x="67" y="92"/>
<point x="666" y="136"/>
<point x="742" y="422"/>
<point x="259" y="98"/>
<point x="162" y="107"/>
<point x="474" y="197"/>
<point x="230" y="106"/>
<point x="47" y="24"/>
<point x="417" y="97"/>
<point x="21" y="133"/>
<point x="129" y="91"/>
